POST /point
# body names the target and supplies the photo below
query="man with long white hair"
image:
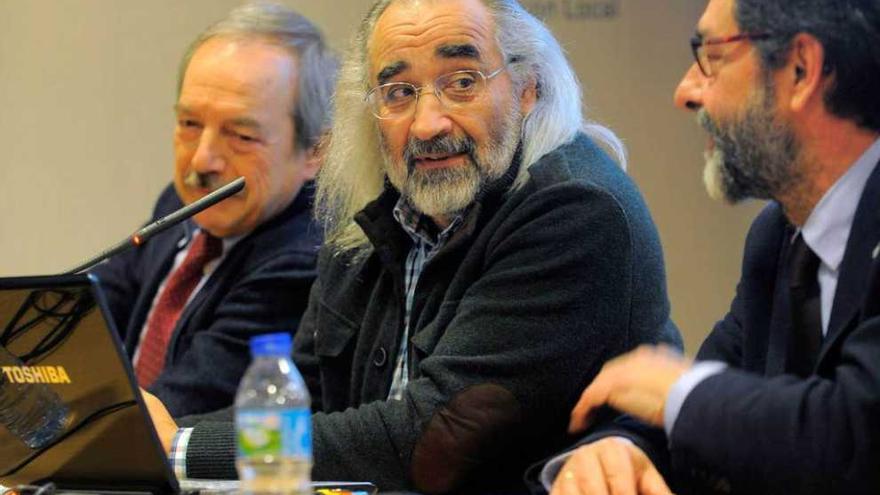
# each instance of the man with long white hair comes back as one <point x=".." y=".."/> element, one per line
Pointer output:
<point x="484" y="256"/>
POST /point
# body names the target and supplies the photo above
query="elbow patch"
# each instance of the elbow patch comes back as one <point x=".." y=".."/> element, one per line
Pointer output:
<point x="473" y="428"/>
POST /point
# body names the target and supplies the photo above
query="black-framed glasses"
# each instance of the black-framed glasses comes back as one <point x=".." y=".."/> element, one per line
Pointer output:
<point x="705" y="59"/>
<point x="454" y="90"/>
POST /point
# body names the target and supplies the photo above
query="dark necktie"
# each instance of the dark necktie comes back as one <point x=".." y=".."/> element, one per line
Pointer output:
<point x="180" y="284"/>
<point x="806" y="308"/>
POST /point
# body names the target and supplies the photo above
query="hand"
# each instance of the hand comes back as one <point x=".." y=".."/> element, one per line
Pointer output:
<point x="610" y="466"/>
<point x="636" y="383"/>
<point x="165" y="426"/>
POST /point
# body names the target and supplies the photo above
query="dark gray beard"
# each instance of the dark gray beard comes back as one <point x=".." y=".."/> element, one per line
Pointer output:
<point x="755" y="156"/>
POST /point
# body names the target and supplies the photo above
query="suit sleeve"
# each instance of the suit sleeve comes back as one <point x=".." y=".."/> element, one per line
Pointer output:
<point x="780" y="434"/>
<point x="784" y="434"/>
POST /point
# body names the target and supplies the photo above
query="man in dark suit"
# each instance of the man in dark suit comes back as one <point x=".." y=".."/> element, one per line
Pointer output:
<point x="253" y="100"/>
<point x="785" y="394"/>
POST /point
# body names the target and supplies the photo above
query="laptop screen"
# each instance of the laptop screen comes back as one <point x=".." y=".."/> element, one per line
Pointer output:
<point x="69" y="411"/>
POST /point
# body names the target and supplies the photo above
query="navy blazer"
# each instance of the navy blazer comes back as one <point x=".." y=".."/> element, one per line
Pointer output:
<point x="753" y="428"/>
<point x="261" y="285"/>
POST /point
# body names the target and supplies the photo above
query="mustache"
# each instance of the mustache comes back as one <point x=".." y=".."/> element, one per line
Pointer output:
<point x="440" y="145"/>
<point x="210" y="182"/>
<point x="706" y="122"/>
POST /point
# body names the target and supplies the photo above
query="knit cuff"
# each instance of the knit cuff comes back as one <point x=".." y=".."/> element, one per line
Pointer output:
<point x="211" y="451"/>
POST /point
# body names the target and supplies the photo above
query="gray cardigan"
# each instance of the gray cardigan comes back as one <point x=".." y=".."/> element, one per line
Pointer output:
<point x="511" y="319"/>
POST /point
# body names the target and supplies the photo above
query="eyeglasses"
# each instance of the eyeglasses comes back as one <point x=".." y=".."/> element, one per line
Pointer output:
<point x="705" y="60"/>
<point x="454" y="90"/>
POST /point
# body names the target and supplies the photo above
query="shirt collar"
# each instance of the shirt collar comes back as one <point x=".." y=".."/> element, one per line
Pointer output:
<point x="191" y="229"/>
<point x="826" y="230"/>
<point x="421" y="228"/>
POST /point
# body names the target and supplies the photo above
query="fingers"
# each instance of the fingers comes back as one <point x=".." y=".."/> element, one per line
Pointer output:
<point x="604" y="467"/>
<point x="636" y="383"/>
<point x="595" y="395"/>
<point x="581" y="416"/>
<point x="583" y="474"/>
<point x="651" y="483"/>
<point x="620" y="475"/>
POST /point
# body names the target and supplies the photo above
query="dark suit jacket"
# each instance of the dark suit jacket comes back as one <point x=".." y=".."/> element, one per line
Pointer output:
<point x="755" y="429"/>
<point x="261" y="286"/>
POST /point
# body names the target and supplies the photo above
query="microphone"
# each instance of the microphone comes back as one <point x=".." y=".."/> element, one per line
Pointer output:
<point x="168" y="221"/>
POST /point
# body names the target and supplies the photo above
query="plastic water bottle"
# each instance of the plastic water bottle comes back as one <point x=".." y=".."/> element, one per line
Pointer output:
<point x="273" y="422"/>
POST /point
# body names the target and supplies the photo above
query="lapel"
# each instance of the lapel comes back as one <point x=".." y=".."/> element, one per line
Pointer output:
<point x="231" y="266"/>
<point x="871" y="304"/>
<point x="856" y="265"/>
<point x="159" y="256"/>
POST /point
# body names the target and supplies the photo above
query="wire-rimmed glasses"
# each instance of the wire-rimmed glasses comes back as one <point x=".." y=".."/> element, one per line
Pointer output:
<point x="454" y="90"/>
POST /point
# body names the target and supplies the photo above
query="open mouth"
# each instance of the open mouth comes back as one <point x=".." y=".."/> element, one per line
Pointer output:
<point x="439" y="160"/>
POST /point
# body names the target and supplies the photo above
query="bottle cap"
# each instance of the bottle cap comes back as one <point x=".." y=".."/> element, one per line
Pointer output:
<point x="271" y="344"/>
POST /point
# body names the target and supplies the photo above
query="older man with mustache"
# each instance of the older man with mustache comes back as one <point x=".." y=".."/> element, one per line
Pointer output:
<point x="484" y="257"/>
<point x="253" y="100"/>
<point x="785" y="395"/>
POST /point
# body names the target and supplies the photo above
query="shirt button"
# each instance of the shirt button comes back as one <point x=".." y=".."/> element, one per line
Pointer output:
<point x="380" y="357"/>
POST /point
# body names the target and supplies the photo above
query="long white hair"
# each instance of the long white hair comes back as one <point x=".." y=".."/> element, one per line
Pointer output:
<point x="353" y="175"/>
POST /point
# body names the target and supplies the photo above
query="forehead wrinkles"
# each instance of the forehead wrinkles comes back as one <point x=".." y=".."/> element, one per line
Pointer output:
<point x="216" y="70"/>
<point x="393" y="39"/>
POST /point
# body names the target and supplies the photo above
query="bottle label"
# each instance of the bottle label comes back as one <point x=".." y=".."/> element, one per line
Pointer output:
<point x="284" y="432"/>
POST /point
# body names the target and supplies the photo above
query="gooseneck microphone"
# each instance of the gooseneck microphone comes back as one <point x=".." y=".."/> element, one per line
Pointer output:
<point x="170" y="220"/>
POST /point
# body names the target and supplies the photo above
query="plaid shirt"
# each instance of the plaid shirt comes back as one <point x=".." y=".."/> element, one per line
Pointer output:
<point x="425" y="243"/>
<point x="177" y="458"/>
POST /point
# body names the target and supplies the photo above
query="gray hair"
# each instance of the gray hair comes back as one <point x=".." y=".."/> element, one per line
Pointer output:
<point x="352" y="174"/>
<point x="316" y="63"/>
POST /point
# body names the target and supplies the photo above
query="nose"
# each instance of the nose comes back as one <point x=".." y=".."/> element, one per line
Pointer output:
<point x="209" y="156"/>
<point x="689" y="93"/>
<point x="430" y="119"/>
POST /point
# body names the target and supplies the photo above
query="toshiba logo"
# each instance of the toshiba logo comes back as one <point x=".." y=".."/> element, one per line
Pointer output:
<point x="35" y="374"/>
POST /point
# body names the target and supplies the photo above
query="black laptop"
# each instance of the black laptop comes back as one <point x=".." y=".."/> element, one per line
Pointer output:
<point x="70" y="412"/>
<point x="70" y="409"/>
